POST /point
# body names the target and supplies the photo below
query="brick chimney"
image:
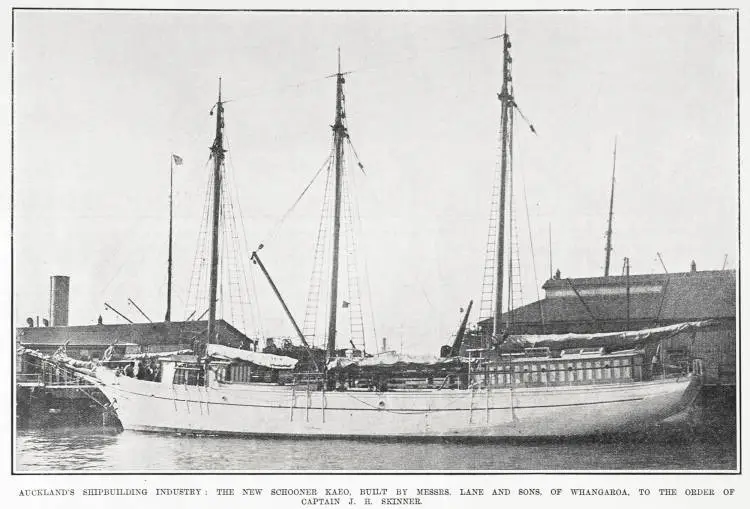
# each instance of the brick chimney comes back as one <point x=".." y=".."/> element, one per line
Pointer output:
<point x="59" y="292"/>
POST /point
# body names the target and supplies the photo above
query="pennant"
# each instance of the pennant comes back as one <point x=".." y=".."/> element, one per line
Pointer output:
<point x="177" y="159"/>
<point x="345" y="304"/>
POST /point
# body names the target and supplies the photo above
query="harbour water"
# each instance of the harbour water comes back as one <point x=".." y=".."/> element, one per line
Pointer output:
<point x="109" y="450"/>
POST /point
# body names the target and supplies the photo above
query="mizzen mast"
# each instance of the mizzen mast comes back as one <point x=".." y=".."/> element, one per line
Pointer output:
<point x="217" y="153"/>
<point x="506" y="100"/>
<point x="339" y="135"/>
<point x="608" y="248"/>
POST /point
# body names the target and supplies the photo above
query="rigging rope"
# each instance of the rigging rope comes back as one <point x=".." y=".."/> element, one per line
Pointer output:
<point x="322" y="241"/>
<point x="239" y="248"/>
<point x="513" y="254"/>
<point x="199" y="258"/>
<point x="255" y="311"/>
<point x="533" y="258"/>
<point x="273" y="231"/>
<point x="439" y="51"/>
<point x="528" y="122"/>
<point x="356" y="156"/>
<point x="384" y="65"/>
<point x="360" y="225"/>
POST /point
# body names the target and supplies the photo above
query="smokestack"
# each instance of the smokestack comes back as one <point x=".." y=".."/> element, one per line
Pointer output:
<point x="59" y="290"/>
<point x="384" y="345"/>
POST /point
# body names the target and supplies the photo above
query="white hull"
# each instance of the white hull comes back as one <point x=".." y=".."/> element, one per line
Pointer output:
<point x="236" y="409"/>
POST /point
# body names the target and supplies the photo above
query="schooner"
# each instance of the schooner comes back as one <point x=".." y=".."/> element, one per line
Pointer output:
<point x="526" y="386"/>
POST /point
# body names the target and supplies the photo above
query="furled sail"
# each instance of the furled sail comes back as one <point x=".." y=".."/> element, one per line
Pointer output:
<point x="625" y="339"/>
<point x="393" y="359"/>
<point x="266" y="360"/>
<point x="157" y="355"/>
<point x="84" y="368"/>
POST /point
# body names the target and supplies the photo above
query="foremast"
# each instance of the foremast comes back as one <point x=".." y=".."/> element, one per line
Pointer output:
<point x="339" y="135"/>
<point x="217" y="154"/>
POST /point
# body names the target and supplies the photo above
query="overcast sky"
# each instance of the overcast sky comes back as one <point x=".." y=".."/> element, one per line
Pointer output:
<point x="103" y="98"/>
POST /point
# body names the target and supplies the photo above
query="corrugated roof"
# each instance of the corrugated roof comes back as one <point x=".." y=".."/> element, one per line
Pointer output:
<point x="683" y="297"/>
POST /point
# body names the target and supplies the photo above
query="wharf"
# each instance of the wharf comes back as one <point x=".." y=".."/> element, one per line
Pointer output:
<point x="52" y="396"/>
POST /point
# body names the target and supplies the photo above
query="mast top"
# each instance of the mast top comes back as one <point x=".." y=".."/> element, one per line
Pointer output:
<point x="217" y="149"/>
<point x="339" y="74"/>
<point x="219" y="102"/>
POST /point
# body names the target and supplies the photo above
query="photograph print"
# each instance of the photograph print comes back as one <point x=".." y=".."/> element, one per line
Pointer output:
<point x="253" y="241"/>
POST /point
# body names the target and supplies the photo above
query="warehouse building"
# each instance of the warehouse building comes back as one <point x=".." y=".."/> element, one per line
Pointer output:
<point x="87" y="342"/>
<point x="617" y="303"/>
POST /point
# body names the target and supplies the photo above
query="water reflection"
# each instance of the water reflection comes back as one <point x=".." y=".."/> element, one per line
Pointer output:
<point x="97" y="449"/>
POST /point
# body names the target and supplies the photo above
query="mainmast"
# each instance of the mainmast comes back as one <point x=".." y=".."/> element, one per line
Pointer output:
<point x="608" y="248"/>
<point x="217" y="153"/>
<point x="506" y="100"/>
<point x="339" y="134"/>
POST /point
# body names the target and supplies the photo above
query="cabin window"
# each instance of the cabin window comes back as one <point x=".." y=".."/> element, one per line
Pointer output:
<point x="250" y="373"/>
<point x="616" y="368"/>
<point x="627" y="369"/>
<point x="637" y="369"/>
<point x="220" y="372"/>
<point x="188" y="375"/>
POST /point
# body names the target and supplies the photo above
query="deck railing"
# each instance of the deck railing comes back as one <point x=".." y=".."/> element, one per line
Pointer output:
<point x="29" y="378"/>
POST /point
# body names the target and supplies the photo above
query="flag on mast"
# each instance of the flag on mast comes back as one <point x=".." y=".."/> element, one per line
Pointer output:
<point x="177" y="159"/>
